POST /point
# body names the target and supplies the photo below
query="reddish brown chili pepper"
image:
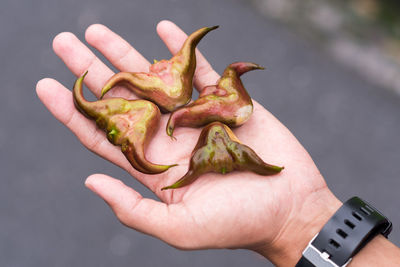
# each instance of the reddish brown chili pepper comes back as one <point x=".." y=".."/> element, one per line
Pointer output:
<point x="169" y="83"/>
<point x="219" y="150"/>
<point x="227" y="102"/>
<point x="128" y="123"/>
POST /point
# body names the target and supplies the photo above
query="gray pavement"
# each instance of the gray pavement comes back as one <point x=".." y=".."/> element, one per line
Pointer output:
<point x="48" y="218"/>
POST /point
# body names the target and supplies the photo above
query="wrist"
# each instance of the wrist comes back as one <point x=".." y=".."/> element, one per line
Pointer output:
<point x="304" y="222"/>
<point x="378" y="252"/>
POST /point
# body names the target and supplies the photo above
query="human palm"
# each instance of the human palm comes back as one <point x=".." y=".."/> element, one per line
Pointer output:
<point x="235" y="210"/>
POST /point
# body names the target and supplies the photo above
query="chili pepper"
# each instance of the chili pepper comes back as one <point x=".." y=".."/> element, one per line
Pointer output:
<point x="227" y="102"/>
<point x="219" y="150"/>
<point x="169" y="83"/>
<point x="128" y="123"/>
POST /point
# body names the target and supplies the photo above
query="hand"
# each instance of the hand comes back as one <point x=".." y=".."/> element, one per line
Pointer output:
<point x="236" y="210"/>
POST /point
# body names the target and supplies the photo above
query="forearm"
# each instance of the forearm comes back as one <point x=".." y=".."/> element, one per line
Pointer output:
<point x="305" y="223"/>
<point x="378" y="252"/>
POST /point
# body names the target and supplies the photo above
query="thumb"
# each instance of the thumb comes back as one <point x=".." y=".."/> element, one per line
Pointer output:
<point x="143" y="214"/>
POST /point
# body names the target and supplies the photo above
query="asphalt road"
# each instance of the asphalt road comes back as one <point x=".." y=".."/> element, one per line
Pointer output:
<point x="47" y="216"/>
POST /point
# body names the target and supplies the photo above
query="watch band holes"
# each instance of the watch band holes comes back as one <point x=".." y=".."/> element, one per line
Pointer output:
<point x="342" y="233"/>
<point x="371" y="210"/>
<point x="357" y="215"/>
<point x="349" y="224"/>
<point x="334" y="243"/>
<point x="366" y="211"/>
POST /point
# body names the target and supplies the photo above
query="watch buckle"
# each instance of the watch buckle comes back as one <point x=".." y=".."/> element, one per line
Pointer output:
<point x="318" y="258"/>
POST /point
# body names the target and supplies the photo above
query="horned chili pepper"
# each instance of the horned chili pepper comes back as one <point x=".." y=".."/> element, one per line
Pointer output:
<point x="128" y="123"/>
<point x="219" y="150"/>
<point x="169" y="83"/>
<point x="227" y="102"/>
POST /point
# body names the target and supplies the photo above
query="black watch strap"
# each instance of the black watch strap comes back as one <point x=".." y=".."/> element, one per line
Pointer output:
<point x="349" y="229"/>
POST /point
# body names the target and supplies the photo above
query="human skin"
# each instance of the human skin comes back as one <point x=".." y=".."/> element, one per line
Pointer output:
<point x="275" y="216"/>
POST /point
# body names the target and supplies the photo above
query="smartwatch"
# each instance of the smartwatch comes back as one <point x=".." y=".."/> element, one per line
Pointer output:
<point x="350" y="229"/>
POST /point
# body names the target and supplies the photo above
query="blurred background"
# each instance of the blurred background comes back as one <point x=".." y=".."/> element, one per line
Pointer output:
<point x="332" y="78"/>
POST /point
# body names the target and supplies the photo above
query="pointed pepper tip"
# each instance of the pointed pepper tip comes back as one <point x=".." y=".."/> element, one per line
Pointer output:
<point x="212" y="28"/>
<point x="173" y="165"/>
<point x="168" y="187"/>
<point x="257" y="66"/>
<point x="162" y="168"/>
<point x="175" y="185"/>
<point x="278" y="169"/>
<point x="170" y="132"/>
<point x="103" y="92"/>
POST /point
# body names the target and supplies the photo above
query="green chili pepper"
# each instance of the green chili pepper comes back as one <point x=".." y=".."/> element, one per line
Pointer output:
<point x="227" y="102"/>
<point x="169" y="83"/>
<point x="219" y="150"/>
<point x="128" y="123"/>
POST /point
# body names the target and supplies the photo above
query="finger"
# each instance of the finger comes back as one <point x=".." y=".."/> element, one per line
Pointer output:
<point x="145" y="215"/>
<point x="118" y="51"/>
<point x="79" y="58"/>
<point x="174" y="38"/>
<point x="58" y="100"/>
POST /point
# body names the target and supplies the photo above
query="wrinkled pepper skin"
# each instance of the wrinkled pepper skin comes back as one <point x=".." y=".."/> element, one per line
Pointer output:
<point x="169" y="83"/>
<point x="227" y="102"/>
<point x="219" y="150"/>
<point x="128" y="123"/>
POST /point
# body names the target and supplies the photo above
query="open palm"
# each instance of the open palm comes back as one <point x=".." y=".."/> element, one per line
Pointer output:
<point x="236" y="210"/>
